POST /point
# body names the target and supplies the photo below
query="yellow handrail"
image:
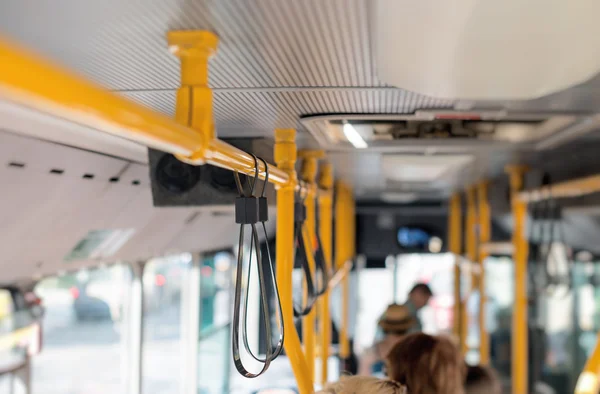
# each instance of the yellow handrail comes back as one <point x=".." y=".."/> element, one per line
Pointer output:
<point x="589" y="379"/>
<point x="519" y="318"/>
<point x="567" y="189"/>
<point x="32" y="82"/>
<point x="340" y="274"/>
<point x="29" y="81"/>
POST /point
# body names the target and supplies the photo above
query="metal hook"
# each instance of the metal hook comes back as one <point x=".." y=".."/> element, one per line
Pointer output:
<point x="256" y="173"/>
<point x="252" y="184"/>
<point x="262" y="193"/>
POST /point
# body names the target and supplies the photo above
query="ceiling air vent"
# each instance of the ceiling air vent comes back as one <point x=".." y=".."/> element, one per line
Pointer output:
<point x="426" y="127"/>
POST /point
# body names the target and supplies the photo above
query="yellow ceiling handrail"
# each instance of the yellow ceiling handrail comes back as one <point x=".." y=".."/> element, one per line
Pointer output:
<point x="30" y="81"/>
<point x="567" y="189"/>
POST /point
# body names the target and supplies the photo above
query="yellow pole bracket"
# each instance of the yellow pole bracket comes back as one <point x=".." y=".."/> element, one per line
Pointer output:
<point x="193" y="106"/>
<point x="520" y="357"/>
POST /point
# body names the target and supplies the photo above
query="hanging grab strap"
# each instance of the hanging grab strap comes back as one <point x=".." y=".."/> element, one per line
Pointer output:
<point x="538" y="281"/>
<point x="250" y="210"/>
<point x="549" y="214"/>
<point x="299" y="236"/>
<point x="321" y="263"/>
<point x="558" y="232"/>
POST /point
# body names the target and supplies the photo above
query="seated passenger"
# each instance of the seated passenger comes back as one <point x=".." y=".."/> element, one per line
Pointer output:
<point x="363" y="385"/>
<point x="396" y="322"/>
<point x="418" y="297"/>
<point x="482" y="380"/>
<point x="427" y="365"/>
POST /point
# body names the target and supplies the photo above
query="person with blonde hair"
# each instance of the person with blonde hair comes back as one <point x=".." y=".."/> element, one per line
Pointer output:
<point x="396" y="322"/>
<point x="482" y="380"/>
<point x="363" y="385"/>
<point x="427" y="364"/>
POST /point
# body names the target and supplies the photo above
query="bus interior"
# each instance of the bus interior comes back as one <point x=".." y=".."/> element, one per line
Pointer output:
<point x="186" y="181"/>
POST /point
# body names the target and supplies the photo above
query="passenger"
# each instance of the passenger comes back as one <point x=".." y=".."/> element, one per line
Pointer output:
<point x="482" y="380"/>
<point x="418" y="297"/>
<point x="363" y="385"/>
<point x="394" y="324"/>
<point x="427" y="365"/>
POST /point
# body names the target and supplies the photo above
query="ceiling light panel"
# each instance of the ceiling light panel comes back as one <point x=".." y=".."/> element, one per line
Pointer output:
<point x="420" y="168"/>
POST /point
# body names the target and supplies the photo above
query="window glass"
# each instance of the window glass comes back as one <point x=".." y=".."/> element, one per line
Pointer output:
<point x="499" y="283"/>
<point x="8" y="357"/>
<point x="162" y="357"/>
<point x="83" y="332"/>
<point x="214" y="350"/>
<point x="436" y="270"/>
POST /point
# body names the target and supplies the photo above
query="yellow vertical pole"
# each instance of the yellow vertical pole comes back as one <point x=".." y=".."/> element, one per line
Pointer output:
<point x="519" y="318"/>
<point x="485" y="234"/>
<point x="308" y="174"/>
<point x="588" y="382"/>
<point x="326" y="233"/>
<point x="455" y="247"/>
<point x="471" y="255"/>
<point x="285" y="157"/>
<point x="343" y="253"/>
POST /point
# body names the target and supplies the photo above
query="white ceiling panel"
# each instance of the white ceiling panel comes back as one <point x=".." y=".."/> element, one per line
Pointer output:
<point x="277" y="59"/>
<point x="44" y="215"/>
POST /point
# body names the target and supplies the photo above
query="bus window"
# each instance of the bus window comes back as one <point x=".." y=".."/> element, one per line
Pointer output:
<point x="83" y="332"/>
<point x="163" y="279"/>
<point x="215" y="323"/>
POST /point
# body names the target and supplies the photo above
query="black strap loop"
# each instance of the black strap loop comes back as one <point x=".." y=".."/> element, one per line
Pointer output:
<point x="248" y="211"/>
<point x="320" y="261"/>
<point x="311" y="293"/>
<point x="551" y="231"/>
<point x="559" y="234"/>
<point x="279" y="347"/>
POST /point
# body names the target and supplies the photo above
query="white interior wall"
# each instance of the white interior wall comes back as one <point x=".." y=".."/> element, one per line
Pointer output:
<point x="44" y="215"/>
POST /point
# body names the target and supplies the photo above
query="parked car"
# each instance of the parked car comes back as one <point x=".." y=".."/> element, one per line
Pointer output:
<point x="88" y="307"/>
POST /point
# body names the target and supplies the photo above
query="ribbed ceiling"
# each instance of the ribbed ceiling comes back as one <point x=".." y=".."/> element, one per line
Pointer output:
<point x="272" y="55"/>
<point x="121" y="44"/>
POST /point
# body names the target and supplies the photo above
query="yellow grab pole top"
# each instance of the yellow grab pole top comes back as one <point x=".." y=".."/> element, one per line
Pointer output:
<point x="194" y="48"/>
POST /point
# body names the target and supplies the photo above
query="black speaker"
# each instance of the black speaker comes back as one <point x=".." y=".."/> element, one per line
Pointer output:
<point x="175" y="183"/>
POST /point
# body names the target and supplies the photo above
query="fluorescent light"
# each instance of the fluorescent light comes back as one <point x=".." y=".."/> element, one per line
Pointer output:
<point x="399" y="197"/>
<point x="419" y="168"/>
<point x="353" y="136"/>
